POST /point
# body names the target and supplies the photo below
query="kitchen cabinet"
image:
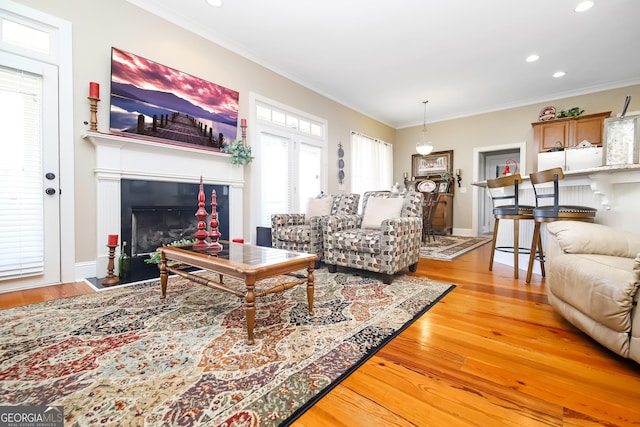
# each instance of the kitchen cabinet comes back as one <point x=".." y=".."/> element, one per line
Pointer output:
<point x="569" y="131"/>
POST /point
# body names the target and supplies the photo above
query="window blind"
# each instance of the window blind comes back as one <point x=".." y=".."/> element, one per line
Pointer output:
<point x="21" y="195"/>
<point x="276" y="177"/>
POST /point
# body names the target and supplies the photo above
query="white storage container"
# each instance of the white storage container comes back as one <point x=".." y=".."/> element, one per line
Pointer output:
<point x="550" y="160"/>
<point x="622" y="140"/>
<point x="583" y="158"/>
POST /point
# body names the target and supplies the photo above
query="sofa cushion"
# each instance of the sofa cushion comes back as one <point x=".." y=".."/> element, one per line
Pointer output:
<point x="345" y="204"/>
<point x="600" y="286"/>
<point x="357" y="240"/>
<point x="591" y="238"/>
<point x="295" y="233"/>
<point x="380" y="208"/>
<point x="634" y="339"/>
<point x="318" y="207"/>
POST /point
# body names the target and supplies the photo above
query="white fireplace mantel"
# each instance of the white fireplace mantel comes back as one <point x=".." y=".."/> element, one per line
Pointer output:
<point x="123" y="157"/>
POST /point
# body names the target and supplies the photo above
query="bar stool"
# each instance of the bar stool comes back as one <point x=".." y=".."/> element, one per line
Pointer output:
<point x="554" y="212"/>
<point x="506" y="189"/>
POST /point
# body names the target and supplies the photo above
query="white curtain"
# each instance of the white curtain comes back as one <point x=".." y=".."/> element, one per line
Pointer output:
<point x="371" y="164"/>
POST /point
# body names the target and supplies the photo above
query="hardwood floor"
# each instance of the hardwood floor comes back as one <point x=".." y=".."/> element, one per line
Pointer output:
<point x="490" y="353"/>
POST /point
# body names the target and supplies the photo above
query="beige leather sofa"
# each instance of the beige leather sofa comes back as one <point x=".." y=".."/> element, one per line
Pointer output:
<point x="593" y="280"/>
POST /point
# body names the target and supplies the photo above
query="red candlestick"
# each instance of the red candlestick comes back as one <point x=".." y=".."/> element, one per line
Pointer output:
<point x="113" y="240"/>
<point x="243" y="122"/>
<point x="94" y="90"/>
<point x="201" y="214"/>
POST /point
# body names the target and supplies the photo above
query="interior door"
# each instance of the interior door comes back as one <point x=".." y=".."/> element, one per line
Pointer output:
<point x="29" y="175"/>
<point x="493" y="166"/>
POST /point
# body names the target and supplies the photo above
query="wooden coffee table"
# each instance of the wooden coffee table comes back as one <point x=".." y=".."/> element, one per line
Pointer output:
<point x="245" y="262"/>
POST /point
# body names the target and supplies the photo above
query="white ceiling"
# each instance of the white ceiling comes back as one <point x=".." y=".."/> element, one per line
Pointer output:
<point x="384" y="58"/>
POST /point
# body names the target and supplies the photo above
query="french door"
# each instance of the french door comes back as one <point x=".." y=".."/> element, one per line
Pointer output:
<point x="291" y="171"/>
<point x="29" y="173"/>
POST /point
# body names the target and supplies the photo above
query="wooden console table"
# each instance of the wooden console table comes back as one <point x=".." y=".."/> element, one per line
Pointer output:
<point x="443" y="217"/>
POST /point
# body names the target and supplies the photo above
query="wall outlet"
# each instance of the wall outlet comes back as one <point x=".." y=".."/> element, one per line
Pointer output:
<point x="462" y="189"/>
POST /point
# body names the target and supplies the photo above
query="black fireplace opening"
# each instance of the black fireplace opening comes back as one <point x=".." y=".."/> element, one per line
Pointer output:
<point x="156" y="213"/>
<point x="177" y="224"/>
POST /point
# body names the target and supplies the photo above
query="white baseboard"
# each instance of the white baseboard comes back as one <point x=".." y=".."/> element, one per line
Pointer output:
<point x="465" y="232"/>
<point x="84" y="270"/>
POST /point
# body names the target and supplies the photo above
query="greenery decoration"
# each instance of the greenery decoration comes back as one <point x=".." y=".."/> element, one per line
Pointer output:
<point x="154" y="258"/>
<point x="574" y="112"/>
<point x="240" y="154"/>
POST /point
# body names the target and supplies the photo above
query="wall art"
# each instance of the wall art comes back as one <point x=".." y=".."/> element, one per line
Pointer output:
<point x="151" y="100"/>
<point x="432" y="165"/>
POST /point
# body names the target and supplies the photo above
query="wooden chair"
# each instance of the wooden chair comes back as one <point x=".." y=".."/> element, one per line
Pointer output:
<point x="429" y="207"/>
<point x="552" y="212"/>
<point x="505" y="198"/>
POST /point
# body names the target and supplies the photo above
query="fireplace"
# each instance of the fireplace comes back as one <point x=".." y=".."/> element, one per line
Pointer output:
<point x="138" y="166"/>
<point x="155" y="213"/>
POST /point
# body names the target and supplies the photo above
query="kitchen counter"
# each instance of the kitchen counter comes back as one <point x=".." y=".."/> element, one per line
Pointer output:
<point x="601" y="180"/>
<point x="613" y="190"/>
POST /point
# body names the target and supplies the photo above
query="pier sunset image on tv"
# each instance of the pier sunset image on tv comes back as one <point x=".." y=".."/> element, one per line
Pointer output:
<point x="154" y="101"/>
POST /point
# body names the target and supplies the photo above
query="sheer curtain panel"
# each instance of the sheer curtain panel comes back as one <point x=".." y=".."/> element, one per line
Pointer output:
<point x="371" y="164"/>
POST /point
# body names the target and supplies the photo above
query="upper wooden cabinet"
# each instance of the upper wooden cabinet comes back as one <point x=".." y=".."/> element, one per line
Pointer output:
<point x="569" y="131"/>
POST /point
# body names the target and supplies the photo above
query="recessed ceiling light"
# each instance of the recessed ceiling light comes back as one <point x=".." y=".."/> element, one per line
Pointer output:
<point x="215" y="3"/>
<point x="533" y="58"/>
<point x="585" y="5"/>
<point x="559" y="74"/>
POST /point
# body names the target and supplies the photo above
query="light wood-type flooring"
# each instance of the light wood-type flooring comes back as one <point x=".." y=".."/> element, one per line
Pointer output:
<point x="490" y="353"/>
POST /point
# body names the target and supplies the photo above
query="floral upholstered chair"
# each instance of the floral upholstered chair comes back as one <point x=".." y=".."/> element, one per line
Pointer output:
<point x="385" y="238"/>
<point x="303" y="232"/>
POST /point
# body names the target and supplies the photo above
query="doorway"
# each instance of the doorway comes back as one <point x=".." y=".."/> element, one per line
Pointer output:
<point x="35" y="77"/>
<point x="488" y="162"/>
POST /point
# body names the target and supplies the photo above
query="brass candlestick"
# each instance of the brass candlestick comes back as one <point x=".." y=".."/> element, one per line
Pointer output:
<point x="111" y="278"/>
<point x="93" y="121"/>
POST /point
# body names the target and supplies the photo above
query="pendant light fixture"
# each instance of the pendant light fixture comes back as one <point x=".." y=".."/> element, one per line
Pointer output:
<point x="423" y="146"/>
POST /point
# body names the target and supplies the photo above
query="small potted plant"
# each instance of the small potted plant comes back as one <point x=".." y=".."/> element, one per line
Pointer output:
<point x="240" y="153"/>
<point x="154" y="257"/>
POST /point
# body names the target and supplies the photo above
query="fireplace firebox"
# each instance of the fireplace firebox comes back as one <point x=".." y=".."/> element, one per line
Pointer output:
<point x="155" y="213"/>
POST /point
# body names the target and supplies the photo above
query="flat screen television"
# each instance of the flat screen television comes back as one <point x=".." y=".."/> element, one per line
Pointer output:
<point x="154" y="101"/>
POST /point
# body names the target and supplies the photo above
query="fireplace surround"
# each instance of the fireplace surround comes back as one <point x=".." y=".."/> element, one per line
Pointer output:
<point x="123" y="158"/>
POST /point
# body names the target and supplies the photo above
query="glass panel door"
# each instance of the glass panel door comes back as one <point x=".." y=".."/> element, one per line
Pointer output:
<point x="29" y="215"/>
<point x="309" y="173"/>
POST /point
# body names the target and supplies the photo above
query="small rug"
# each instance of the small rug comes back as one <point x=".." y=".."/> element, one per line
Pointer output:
<point x="126" y="357"/>
<point x="450" y="247"/>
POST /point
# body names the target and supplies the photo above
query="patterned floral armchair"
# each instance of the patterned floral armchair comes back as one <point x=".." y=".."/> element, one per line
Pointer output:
<point x="295" y="232"/>
<point x="394" y="243"/>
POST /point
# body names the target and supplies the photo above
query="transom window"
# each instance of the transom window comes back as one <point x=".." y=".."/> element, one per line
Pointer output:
<point x="289" y="120"/>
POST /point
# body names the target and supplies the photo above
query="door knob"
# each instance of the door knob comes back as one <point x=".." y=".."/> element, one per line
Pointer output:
<point x="50" y="175"/>
<point x="50" y="191"/>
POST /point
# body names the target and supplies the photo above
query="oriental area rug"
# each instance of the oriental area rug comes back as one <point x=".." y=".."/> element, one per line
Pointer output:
<point x="450" y="247"/>
<point x="124" y="357"/>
